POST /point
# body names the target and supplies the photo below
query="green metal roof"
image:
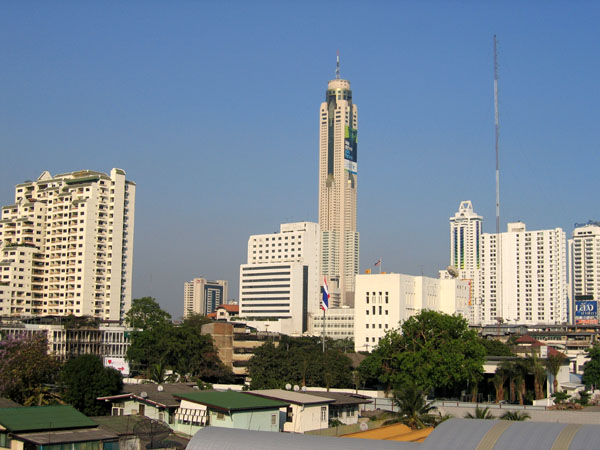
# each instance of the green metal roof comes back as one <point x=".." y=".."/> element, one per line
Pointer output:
<point x="231" y="401"/>
<point x="59" y="417"/>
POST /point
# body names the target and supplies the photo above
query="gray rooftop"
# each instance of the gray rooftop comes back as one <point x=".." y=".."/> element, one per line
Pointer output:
<point x="298" y="398"/>
<point x="153" y="394"/>
<point x="216" y="438"/>
<point x="343" y="398"/>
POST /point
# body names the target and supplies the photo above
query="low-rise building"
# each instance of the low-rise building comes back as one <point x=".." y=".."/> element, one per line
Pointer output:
<point x="52" y="427"/>
<point x="227" y="409"/>
<point x="305" y="412"/>
<point x="346" y="408"/>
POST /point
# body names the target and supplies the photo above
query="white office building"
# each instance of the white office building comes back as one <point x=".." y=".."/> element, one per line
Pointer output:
<point x="584" y="267"/>
<point x="281" y="279"/>
<point x="465" y="250"/>
<point x="339" y="323"/>
<point x="338" y="182"/>
<point x="384" y="301"/>
<point x="66" y="246"/>
<point x="202" y="296"/>
<point x="524" y="276"/>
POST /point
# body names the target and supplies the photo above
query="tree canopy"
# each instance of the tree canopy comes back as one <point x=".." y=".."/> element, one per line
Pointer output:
<point x="25" y="367"/>
<point x="83" y="379"/>
<point x="145" y="313"/>
<point x="591" y="369"/>
<point x="161" y="345"/>
<point x="299" y="361"/>
<point x="434" y="350"/>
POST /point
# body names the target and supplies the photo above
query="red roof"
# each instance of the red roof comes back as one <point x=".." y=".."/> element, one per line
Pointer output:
<point x="230" y="308"/>
<point x="212" y="315"/>
<point x="526" y="339"/>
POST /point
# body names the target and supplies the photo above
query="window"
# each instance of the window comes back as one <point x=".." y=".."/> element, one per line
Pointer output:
<point x="273" y="419"/>
<point x="220" y="416"/>
<point x="323" y="413"/>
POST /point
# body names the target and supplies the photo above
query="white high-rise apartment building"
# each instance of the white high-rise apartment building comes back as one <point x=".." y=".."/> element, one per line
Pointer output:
<point x="281" y="277"/>
<point x="584" y="250"/>
<point x="202" y="296"/>
<point x="384" y="301"/>
<point x="524" y="276"/>
<point x="465" y="250"/>
<point x="67" y="246"/>
<point x="337" y="191"/>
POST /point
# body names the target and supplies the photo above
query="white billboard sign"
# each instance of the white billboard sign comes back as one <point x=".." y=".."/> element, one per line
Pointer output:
<point x="117" y="363"/>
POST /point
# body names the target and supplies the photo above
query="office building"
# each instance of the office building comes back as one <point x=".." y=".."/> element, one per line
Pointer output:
<point x="524" y="276"/>
<point x="202" y="296"/>
<point x="384" y="301"/>
<point x="338" y="178"/>
<point x="465" y="251"/>
<point x="584" y="268"/>
<point x="280" y="281"/>
<point x="339" y="323"/>
<point x="66" y="246"/>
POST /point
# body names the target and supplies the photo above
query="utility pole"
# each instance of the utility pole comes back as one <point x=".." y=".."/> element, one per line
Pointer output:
<point x="500" y="299"/>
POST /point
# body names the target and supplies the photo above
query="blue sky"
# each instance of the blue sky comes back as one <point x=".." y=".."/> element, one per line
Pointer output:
<point x="212" y="109"/>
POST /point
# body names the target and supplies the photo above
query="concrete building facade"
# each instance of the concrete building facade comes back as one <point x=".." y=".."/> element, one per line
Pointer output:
<point x="280" y="281"/>
<point x="339" y="323"/>
<point x="338" y="182"/>
<point x="384" y="301"/>
<point x="66" y="246"/>
<point x="465" y="251"/>
<point x="524" y="276"/>
<point x="584" y="266"/>
<point x="202" y="296"/>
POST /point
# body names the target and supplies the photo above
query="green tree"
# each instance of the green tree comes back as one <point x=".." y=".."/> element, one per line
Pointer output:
<point x="591" y="369"/>
<point x="26" y="368"/>
<point x="515" y="415"/>
<point x="480" y="413"/>
<point x="435" y="350"/>
<point x="83" y="379"/>
<point x="560" y="397"/>
<point x="538" y="370"/>
<point x="299" y="361"/>
<point x="494" y="347"/>
<point x="498" y="380"/>
<point x="414" y="410"/>
<point x="145" y="313"/>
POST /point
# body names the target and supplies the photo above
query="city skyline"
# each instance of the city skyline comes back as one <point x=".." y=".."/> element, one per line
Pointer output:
<point x="213" y="115"/>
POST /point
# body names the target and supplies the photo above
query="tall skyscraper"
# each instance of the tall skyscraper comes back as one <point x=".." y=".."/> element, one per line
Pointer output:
<point x="524" y="276"/>
<point x="201" y="296"/>
<point x="584" y="249"/>
<point x="67" y="246"/>
<point x="337" y="191"/>
<point x="465" y="251"/>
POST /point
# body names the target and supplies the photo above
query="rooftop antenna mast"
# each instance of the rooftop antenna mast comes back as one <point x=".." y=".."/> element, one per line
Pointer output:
<point x="500" y="299"/>
<point x="337" y="67"/>
<point x="497" y="137"/>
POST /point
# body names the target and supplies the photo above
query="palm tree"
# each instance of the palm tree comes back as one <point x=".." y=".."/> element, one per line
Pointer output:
<point x="553" y="364"/>
<point x="414" y="410"/>
<point x="539" y="374"/>
<point x="511" y="372"/>
<point x="499" y="379"/>
<point x="480" y="413"/>
<point x="515" y="415"/>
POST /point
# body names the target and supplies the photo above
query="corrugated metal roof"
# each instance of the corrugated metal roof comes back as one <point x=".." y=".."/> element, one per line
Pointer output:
<point x="342" y="398"/>
<point x="162" y="397"/>
<point x="63" y="437"/>
<point x="231" y="400"/>
<point x="58" y="417"/>
<point x="299" y="398"/>
<point x="216" y="438"/>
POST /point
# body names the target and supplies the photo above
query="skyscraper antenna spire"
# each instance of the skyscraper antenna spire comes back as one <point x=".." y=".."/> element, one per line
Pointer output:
<point x="337" y="67"/>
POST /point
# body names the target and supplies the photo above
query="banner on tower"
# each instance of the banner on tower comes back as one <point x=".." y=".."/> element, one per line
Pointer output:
<point x="586" y="312"/>
<point x="350" y="150"/>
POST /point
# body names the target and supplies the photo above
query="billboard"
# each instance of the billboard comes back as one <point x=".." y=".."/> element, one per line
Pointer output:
<point x="350" y="150"/>
<point x="117" y="363"/>
<point x="586" y="312"/>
